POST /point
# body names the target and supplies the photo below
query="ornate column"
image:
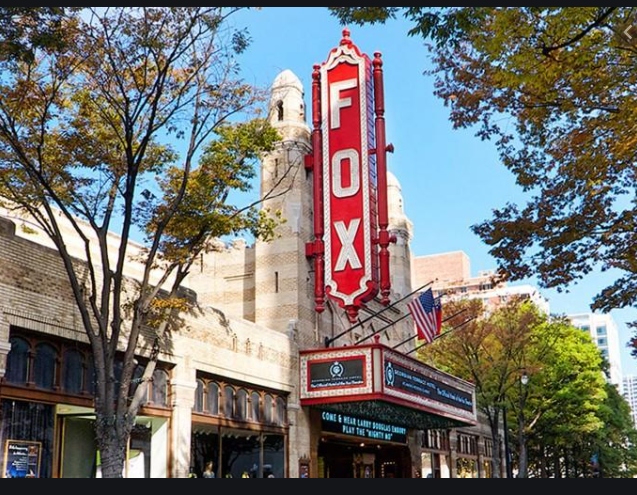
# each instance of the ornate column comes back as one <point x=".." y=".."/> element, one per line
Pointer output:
<point x="5" y="346"/>
<point x="183" y="400"/>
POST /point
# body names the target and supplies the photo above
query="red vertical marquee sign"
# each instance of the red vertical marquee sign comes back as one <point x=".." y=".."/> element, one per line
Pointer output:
<point x="350" y="249"/>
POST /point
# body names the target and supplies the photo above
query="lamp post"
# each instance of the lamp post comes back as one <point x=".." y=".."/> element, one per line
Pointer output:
<point x="507" y="449"/>
<point x="522" y="458"/>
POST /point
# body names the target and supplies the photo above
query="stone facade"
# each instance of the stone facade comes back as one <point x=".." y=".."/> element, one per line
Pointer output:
<point x="256" y="307"/>
<point x="255" y="300"/>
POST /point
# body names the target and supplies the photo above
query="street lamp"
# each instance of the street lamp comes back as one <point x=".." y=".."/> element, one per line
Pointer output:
<point x="522" y="458"/>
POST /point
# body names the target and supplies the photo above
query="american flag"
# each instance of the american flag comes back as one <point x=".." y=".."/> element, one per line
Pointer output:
<point x="427" y="314"/>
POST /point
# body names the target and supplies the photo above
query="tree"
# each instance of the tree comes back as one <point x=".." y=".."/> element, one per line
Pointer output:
<point x="487" y="351"/>
<point x="615" y="448"/>
<point x="101" y="131"/>
<point x="600" y="442"/>
<point x="561" y="402"/>
<point x="26" y="29"/>
<point x="563" y="399"/>
<point x="553" y="87"/>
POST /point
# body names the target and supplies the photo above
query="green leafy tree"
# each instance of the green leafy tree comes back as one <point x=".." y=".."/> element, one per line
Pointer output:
<point x="553" y="87"/>
<point x="487" y="351"/>
<point x="561" y="401"/>
<point x="613" y="451"/>
<point x="127" y="124"/>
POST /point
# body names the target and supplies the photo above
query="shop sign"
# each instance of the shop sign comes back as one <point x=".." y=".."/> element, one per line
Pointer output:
<point x="412" y="382"/>
<point x="346" y="424"/>
<point x="336" y="373"/>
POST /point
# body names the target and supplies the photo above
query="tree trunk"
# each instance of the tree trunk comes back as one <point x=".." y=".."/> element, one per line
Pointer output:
<point x="112" y="448"/>
<point x="496" y="464"/>
<point x="522" y="457"/>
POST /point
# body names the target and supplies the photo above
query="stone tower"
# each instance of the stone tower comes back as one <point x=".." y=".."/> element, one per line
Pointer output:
<point x="402" y="228"/>
<point x="283" y="284"/>
<point x="272" y="283"/>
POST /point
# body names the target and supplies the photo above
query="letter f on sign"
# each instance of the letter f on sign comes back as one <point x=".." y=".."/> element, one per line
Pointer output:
<point x="337" y="102"/>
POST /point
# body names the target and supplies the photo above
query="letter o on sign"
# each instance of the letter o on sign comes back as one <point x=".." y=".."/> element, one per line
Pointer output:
<point x="354" y="187"/>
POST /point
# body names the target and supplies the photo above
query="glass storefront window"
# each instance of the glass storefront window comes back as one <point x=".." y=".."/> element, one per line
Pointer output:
<point x="434" y="465"/>
<point x="466" y="468"/>
<point x="487" y="468"/>
<point x="281" y="412"/>
<point x="241" y="411"/>
<point x="267" y="409"/>
<point x="159" y="388"/>
<point x="240" y="454"/>
<point x="199" y="396"/>
<point x="213" y="399"/>
<point x="427" y="465"/>
<point x="255" y="403"/>
<point x="228" y="404"/>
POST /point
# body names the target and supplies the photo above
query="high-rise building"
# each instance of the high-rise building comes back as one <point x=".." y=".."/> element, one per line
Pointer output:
<point x="630" y="394"/>
<point x="450" y="274"/>
<point x="603" y="330"/>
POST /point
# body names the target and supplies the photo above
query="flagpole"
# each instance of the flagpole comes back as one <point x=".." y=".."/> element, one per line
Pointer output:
<point x="416" y="335"/>
<point x="380" y="330"/>
<point x="329" y="341"/>
<point x="440" y="336"/>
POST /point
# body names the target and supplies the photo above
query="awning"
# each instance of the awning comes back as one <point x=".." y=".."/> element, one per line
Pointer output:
<point x="376" y="382"/>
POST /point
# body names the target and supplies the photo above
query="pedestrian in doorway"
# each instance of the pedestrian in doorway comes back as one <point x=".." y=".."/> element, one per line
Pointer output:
<point x="208" y="471"/>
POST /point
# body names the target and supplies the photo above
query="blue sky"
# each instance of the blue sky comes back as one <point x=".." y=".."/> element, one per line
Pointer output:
<point x="450" y="179"/>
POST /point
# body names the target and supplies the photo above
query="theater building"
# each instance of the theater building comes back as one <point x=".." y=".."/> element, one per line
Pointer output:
<point x="272" y="376"/>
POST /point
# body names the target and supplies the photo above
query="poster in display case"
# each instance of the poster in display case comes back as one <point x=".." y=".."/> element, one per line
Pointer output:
<point x="22" y="459"/>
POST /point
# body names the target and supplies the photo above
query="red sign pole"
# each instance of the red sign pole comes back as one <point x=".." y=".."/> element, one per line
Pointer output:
<point x="317" y="249"/>
<point x="384" y="238"/>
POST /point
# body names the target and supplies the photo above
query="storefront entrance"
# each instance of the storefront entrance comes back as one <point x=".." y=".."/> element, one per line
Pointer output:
<point x="344" y="458"/>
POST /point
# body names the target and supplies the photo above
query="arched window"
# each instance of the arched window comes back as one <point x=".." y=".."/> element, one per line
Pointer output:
<point x="199" y="396"/>
<point x="281" y="411"/>
<point x="255" y="407"/>
<point x="279" y="110"/>
<point x="213" y="398"/>
<point x="267" y="408"/>
<point x="73" y="372"/>
<point x="45" y="366"/>
<point x="241" y="410"/>
<point x="228" y="402"/>
<point x="18" y="362"/>
<point x="136" y="382"/>
<point x="160" y="388"/>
